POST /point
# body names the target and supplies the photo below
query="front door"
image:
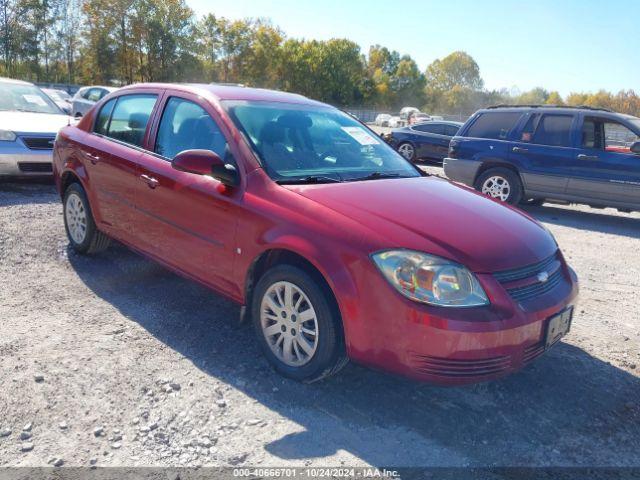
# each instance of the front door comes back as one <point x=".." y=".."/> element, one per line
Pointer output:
<point x="605" y="168"/>
<point x="190" y="220"/>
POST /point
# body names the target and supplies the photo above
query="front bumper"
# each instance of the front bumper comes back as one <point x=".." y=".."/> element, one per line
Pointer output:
<point x="463" y="171"/>
<point x="454" y="346"/>
<point x="17" y="160"/>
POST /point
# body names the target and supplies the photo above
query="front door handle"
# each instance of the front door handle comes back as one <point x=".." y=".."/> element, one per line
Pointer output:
<point x="94" y="158"/>
<point x="519" y="150"/>
<point x="152" y="182"/>
<point x="582" y="156"/>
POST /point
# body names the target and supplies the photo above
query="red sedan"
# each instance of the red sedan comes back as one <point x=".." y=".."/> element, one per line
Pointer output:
<point x="336" y="247"/>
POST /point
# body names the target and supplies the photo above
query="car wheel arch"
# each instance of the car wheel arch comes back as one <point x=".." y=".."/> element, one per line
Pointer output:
<point x="487" y="165"/>
<point x="67" y="178"/>
<point x="284" y="255"/>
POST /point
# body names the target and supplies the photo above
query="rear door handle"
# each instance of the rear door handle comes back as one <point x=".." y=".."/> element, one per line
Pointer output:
<point x="582" y="156"/>
<point x="152" y="182"/>
<point x="519" y="150"/>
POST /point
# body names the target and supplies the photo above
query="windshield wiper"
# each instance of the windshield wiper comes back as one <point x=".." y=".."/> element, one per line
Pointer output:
<point x="376" y="175"/>
<point x="309" y="179"/>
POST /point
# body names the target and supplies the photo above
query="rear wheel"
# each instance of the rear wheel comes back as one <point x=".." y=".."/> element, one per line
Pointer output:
<point x="297" y="326"/>
<point x="407" y="151"/>
<point x="81" y="228"/>
<point x="500" y="183"/>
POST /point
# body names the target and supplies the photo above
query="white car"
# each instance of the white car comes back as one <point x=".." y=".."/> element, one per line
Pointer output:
<point x="86" y="97"/>
<point x="29" y="122"/>
<point x="382" y="120"/>
<point x="396" y="121"/>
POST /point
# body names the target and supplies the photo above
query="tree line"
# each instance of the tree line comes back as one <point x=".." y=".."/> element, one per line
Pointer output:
<point x="118" y="42"/>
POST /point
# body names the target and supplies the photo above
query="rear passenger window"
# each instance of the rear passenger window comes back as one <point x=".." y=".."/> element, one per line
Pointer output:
<point x="496" y="125"/>
<point x="102" y="122"/>
<point x="451" y="130"/>
<point x="186" y="126"/>
<point x="554" y="130"/>
<point x="94" y="95"/>
<point x="130" y="117"/>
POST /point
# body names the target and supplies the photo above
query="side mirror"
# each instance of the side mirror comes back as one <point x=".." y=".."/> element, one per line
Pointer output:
<point x="635" y="148"/>
<point x="206" y="162"/>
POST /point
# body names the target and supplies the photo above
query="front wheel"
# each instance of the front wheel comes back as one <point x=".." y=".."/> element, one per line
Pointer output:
<point x="407" y="151"/>
<point x="81" y="228"/>
<point x="297" y="325"/>
<point x="500" y="183"/>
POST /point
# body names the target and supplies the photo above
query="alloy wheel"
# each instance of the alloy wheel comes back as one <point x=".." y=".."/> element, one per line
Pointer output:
<point x="76" y="217"/>
<point x="406" y="150"/>
<point x="497" y="187"/>
<point x="289" y="323"/>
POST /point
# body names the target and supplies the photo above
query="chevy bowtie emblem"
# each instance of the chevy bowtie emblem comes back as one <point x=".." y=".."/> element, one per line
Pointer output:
<point x="543" y="277"/>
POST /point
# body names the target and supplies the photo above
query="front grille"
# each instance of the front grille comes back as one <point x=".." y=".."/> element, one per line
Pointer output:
<point x="525" y="272"/>
<point x="35" y="167"/>
<point x="447" y="367"/>
<point x="536" y="289"/>
<point x="516" y="284"/>
<point x="39" y="143"/>
<point x="532" y="352"/>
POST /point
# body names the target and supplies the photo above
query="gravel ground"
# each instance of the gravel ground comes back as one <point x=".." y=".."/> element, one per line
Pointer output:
<point x="113" y="360"/>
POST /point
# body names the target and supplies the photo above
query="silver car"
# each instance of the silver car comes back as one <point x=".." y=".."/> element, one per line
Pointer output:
<point x="29" y="122"/>
<point x="86" y="97"/>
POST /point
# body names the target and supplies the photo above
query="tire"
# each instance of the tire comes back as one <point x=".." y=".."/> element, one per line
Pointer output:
<point x="500" y="183"/>
<point x="79" y="224"/>
<point x="309" y="298"/>
<point x="407" y="150"/>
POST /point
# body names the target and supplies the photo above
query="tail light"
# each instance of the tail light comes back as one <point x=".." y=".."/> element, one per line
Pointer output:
<point x="453" y="148"/>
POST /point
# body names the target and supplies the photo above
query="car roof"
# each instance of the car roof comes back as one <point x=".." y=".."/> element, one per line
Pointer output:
<point x="111" y="89"/>
<point x="14" y="81"/>
<point x="231" y="92"/>
<point x="561" y="109"/>
<point x="440" y="122"/>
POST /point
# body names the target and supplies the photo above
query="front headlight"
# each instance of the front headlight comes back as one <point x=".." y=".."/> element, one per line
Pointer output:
<point x="7" y="136"/>
<point x="430" y="279"/>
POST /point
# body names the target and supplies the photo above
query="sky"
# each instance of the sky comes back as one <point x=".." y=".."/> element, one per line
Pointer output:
<point x="564" y="45"/>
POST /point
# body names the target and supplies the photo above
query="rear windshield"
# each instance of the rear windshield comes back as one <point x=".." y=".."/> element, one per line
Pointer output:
<point x="495" y="125"/>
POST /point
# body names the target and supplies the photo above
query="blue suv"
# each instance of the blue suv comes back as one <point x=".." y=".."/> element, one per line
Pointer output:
<point x="535" y="153"/>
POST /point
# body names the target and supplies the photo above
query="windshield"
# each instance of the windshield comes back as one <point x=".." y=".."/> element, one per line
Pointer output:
<point x="25" y="98"/>
<point x="57" y="95"/>
<point x="309" y="143"/>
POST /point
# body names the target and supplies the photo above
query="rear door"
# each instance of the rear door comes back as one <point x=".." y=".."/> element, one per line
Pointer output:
<point x="543" y="151"/>
<point x="111" y="154"/>
<point x="431" y="140"/>
<point x="189" y="220"/>
<point x="605" y="169"/>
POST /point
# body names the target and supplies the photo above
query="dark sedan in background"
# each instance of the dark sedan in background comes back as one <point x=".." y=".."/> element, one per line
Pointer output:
<point x="424" y="141"/>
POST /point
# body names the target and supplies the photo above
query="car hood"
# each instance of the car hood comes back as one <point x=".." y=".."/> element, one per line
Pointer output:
<point x="27" y="122"/>
<point x="435" y="216"/>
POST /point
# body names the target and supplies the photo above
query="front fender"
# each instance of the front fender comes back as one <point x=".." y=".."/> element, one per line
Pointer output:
<point x="329" y="259"/>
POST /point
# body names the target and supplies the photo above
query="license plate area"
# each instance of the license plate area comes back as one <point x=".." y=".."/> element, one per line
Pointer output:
<point x="558" y="326"/>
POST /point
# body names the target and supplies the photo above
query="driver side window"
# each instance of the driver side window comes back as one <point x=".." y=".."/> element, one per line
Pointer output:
<point x="187" y="126"/>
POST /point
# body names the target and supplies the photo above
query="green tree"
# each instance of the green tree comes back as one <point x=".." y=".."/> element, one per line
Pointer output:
<point x="452" y="83"/>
